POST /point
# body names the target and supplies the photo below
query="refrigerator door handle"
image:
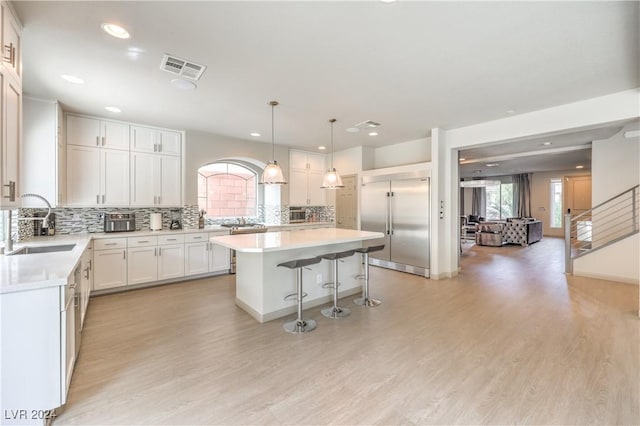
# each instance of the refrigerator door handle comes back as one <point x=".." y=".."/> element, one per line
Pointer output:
<point x="386" y="216"/>
<point x="390" y="214"/>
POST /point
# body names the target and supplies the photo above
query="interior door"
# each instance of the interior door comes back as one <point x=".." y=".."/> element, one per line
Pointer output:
<point x="347" y="204"/>
<point x="577" y="194"/>
<point x="409" y="222"/>
<point x="375" y="214"/>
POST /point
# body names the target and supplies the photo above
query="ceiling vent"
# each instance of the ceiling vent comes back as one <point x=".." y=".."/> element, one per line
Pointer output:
<point x="368" y="124"/>
<point x="182" y="67"/>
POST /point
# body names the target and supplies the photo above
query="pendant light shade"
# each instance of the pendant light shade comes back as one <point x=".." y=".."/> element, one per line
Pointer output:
<point x="332" y="179"/>
<point x="272" y="173"/>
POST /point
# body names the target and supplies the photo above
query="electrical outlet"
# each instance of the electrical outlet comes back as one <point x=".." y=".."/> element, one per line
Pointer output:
<point x="319" y="278"/>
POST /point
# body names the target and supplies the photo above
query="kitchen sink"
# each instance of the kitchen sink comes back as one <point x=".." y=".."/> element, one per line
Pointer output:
<point x="42" y="249"/>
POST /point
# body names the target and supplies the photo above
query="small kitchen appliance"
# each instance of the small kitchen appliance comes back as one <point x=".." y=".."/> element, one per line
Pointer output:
<point x="175" y="220"/>
<point x="119" y="222"/>
<point x="297" y="215"/>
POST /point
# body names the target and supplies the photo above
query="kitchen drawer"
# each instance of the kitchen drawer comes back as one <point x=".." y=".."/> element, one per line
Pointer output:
<point x="109" y="243"/>
<point x="142" y="241"/>
<point x="170" y="239"/>
<point x="196" y="238"/>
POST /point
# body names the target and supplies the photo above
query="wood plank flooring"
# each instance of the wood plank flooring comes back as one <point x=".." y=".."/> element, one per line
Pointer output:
<point x="512" y="340"/>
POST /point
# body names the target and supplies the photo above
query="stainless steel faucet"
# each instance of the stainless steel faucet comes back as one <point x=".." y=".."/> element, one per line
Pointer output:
<point x="8" y="237"/>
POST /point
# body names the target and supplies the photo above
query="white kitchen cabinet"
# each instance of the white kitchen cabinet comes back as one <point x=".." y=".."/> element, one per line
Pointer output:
<point x="11" y="42"/>
<point x="306" y="170"/>
<point x="150" y="139"/>
<point x="86" y="282"/>
<point x="143" y="265"/>
<point x="43" y="159"/>
<point x="97" y="176"/>
<point x="170" y="261"/>
<point x="155" y="180"/>
<point x="201" y="256"/>
<point x="87" y="131"/>
<point x="11" y="135"/>
<point x="109" y="263"/>
<point x="219" y="258"/>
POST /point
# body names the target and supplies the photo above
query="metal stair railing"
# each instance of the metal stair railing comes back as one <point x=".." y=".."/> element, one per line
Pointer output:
<point x="602" y="225"/>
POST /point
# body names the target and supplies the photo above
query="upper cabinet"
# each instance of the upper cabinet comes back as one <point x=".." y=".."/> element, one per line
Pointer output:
<point x="148" y="139"/>
<point x="87" y="131"/>
<point x="11" y="43"/>
<point x="120" y="164"/>
<point x="10" y="109"/>
<point x="306" y="170"/>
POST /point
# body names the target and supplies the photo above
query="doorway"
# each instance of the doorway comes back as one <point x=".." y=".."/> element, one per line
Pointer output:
<point x="577" y="194"/>
<point x="347" y="203"/>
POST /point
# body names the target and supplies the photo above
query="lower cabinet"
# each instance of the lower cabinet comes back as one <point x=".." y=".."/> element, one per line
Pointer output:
<point x="109" y="263"/>
<point x="201" y="256"/>
<point x="170" y="257"/>
<point x="86" y="281"/>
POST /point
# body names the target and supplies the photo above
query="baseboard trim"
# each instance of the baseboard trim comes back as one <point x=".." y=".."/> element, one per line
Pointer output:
<point x="624" y="280"/>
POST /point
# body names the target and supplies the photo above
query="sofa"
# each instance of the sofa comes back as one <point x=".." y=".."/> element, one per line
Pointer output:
<point x="513" y="231"/>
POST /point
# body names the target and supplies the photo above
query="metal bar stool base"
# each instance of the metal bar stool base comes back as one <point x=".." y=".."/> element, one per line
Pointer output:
<point x="297" y="327"/>
<point x="368" y="302"/>
<point x="336" y="312"/>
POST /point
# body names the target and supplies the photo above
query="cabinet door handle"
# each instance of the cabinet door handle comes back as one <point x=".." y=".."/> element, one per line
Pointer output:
<point x="155" y="147"/>
<point x="159" y="251"/>
<point x="110" y="244"/>
<point x="97" y="140"/>
<point x="11" y="58"/>
<point x="12" y="191"/>
<point x="160" y="147"/>
<point x="143" y="241"/>
<point x="103" y="140"/>
<point x="155" y="253"/>
<point x="97" y="199"/>
<point x="102" y="198"/>
<point x="159" y="199"/>
<point x="171" y="239"/>
<point x="124" y="254"/>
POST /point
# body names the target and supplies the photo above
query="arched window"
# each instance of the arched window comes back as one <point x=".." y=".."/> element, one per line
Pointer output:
<point x="227" y="189"/>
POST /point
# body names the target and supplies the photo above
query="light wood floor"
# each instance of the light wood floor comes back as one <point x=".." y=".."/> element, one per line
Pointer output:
<point x="512" y="340"/>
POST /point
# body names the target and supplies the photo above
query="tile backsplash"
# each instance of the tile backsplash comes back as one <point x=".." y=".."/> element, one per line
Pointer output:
<point x="91" y="219"/>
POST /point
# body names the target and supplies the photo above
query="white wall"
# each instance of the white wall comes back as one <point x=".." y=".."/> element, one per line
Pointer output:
<point x="204" y="148"/>
<point x="411" y="152"/>
<point x="617" y="262"/>
<point x="615" y="167"/>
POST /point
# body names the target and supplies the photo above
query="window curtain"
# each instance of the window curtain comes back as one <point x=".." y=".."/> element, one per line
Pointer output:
<point x="478" y="202"/>
<point x="521" y="195"/>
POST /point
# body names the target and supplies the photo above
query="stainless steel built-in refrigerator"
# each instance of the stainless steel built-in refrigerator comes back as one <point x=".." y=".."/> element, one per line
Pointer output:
<point x="398" y="206"/>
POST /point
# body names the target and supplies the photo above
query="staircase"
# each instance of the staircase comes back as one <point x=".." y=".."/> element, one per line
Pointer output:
<point x="601" y="226"/>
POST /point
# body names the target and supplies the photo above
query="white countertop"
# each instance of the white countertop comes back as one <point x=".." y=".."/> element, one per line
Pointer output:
<point x="40" y="270"/>
<point x="275" y="241"/>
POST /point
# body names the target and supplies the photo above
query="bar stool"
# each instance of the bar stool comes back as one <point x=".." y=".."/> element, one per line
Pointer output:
<point x="299" y="325"/>
<point x="365" y="300"/>
<point x="335" y="311"/>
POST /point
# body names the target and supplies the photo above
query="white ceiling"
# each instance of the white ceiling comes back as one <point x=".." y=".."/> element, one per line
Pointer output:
<point x="411" y="66"/>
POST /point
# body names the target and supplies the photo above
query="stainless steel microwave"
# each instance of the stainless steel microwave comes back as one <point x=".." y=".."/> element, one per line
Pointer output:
<point x="297" y="215"/>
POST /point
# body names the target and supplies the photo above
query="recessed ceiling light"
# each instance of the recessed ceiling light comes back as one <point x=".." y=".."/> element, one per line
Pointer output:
<point x="322" y="148"/>
<point x="579" y="167"/>
<point x="462" y="159"/>
<point x="353" y="130"/>
<point x="115" y="30"/>
<point x="72" y="79"/>
<point x="546" y="143"/>
<point x="183" y="84"/>
<point x="112" y="109"/>
<point x="373" y="133"/>
<point x="492" y="165"/>
<point x="255" y="134"/>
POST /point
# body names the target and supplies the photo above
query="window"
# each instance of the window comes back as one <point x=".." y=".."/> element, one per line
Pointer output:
<point x="556" y="203"/>
<point x="227" y="189"/>
<point x="499" y="201"/>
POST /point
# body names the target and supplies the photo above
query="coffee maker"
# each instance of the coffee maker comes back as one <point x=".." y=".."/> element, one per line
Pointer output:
<point x="176" y="218"/>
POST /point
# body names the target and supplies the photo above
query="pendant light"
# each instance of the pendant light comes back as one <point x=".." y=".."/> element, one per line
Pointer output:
<point x="272" y="174"/>
<point x="332" y="179"/>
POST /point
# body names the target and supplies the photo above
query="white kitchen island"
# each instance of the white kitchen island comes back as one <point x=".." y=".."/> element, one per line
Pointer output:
<point x="261" y="285"/>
